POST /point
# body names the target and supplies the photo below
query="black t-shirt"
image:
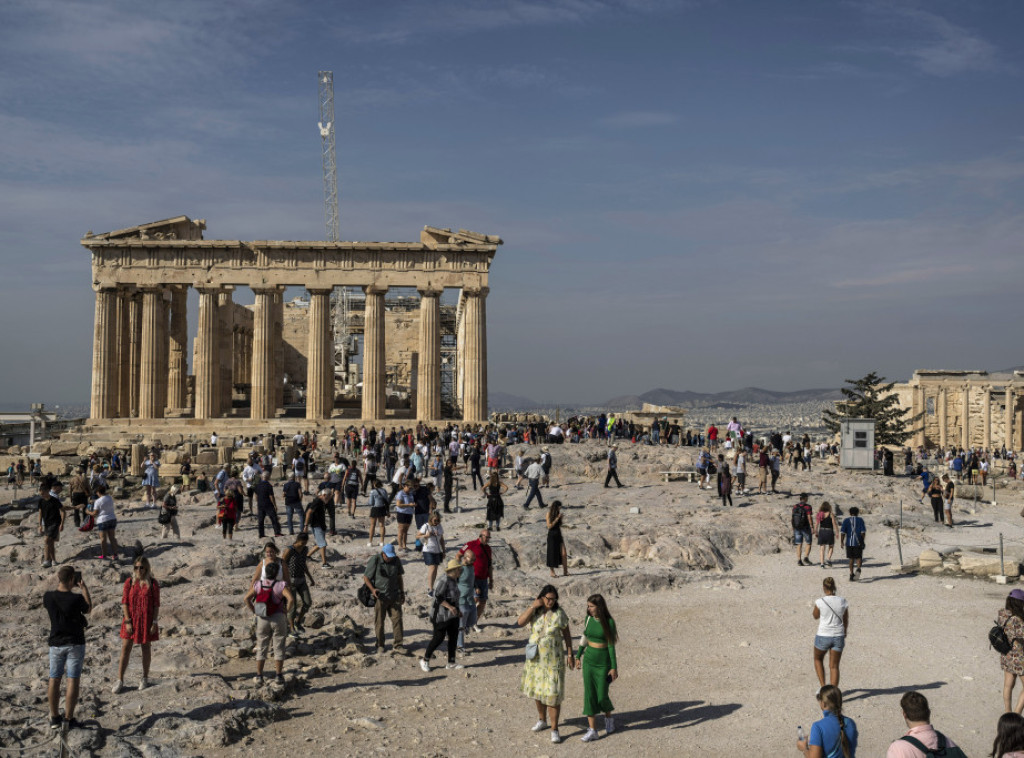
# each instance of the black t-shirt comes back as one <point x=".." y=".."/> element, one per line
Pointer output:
<point x="422" y="498"/>
<point x="50" y="510"/>
<point x="264" y="494"/>
<point x="67" y="617"/>
<point x="292" y="492"/>
<point x="317" y="514"/>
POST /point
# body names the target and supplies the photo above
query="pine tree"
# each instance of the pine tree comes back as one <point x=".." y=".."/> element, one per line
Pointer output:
<point x="872" y="397"/>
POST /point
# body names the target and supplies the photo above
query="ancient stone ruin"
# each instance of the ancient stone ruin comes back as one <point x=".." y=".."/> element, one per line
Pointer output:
<point x="141" y="276"/>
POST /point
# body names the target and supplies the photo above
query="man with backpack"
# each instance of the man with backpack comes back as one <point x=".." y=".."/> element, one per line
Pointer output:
<point x="801" y="519"/>
<point x="853" y="531"/>
<point x="383" y="575"/>
<point x="921" y="739"/>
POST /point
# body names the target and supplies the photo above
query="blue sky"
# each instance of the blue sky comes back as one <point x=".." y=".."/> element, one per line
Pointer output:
<point x="693" y="195"/>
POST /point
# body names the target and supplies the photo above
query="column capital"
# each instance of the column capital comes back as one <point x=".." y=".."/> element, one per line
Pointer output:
<point x="267" y="290"/>
<point x="430" y="291"/>
<point x="476" y="291"/>
<point x="320" y="291"/>
<point x="375" y="289"/>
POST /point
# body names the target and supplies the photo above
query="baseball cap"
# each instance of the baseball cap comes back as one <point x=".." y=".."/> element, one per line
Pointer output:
<point x="388" y="550"/>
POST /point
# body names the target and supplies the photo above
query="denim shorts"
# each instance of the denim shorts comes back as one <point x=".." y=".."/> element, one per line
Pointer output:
<point x="802" y="535"/>
<point x="829" y="643"/>
<point x="481" y="589"/>
<point x="432" y="559"/>
<point x="66" y="659"/>
<point x="107" y="526"/>
<point x="319" y="537"/>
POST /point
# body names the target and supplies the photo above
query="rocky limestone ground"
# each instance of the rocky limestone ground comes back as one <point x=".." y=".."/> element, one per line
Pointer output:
<point x="714" y="615"/>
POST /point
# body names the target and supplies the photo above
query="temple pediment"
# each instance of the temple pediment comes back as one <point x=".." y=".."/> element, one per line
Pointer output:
<point x="176" y="228"/>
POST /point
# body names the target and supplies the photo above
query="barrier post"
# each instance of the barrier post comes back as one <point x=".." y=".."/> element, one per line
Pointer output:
<point x="1002" y="567"/>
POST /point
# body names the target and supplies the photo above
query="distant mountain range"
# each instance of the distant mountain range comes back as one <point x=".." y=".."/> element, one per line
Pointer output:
<point x="745" y="396"/>
<point x="503" y="401"/>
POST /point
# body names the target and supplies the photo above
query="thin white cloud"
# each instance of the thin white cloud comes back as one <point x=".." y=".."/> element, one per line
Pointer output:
<point x="932" y="43"/>
<point x="638" y="119"/>
<point x="418" y="19"/>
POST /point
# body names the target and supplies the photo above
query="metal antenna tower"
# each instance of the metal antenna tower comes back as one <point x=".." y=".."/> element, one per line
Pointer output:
<point x="327" y="129"/>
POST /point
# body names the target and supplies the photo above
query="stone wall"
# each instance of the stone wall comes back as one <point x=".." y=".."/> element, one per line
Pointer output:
<point x="402" y="335"/>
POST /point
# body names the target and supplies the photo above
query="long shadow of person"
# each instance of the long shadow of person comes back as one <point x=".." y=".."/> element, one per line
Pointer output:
<point x="676" y="715"/>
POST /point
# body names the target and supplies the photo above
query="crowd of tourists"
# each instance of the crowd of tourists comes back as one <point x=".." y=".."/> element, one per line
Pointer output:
<point x="414" y="475"/>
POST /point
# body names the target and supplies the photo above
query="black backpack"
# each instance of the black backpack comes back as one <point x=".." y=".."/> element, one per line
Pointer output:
<point x="799" y="518"/>
<point x="365" y="596"/>
<point x="998" y="640"/>
<point x="942" y="751"/>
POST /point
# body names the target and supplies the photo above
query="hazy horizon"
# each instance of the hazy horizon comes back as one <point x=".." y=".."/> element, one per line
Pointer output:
<point x="692" y="195"/>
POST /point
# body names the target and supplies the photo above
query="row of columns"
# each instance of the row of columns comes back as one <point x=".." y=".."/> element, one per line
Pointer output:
<point x="942" y="413"/>
<point x="140" y="354"/>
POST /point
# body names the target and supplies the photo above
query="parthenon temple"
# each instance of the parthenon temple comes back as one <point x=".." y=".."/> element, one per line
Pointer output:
<point x="970" y="409"/>
<point x="399" y="355"/>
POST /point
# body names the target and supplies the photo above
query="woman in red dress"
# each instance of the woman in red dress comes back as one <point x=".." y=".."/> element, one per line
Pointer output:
<point x="140" y="605"/>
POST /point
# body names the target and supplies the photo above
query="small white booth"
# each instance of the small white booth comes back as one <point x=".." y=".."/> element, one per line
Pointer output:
<point x="857" y="443"/>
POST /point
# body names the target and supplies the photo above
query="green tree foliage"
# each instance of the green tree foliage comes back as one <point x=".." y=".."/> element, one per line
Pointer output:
<point x="872" y="397"/>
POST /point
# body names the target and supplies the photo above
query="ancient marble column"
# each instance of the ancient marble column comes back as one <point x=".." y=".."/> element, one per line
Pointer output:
<point x="318" y="356"/>
<point x="475" y="405"/>
<point x="134" y="352"/>
<point x="278" y="398"/>
<point x="247" y="357"/>
<point x="986" y="417"/>
<point x="226" y="325"/>
<point x="941" y="413"/>
<point x="207" y="360"/>
<point x="460" y="354"/>
<point x="428" y="396"/>
<point x="965" y="417"/>
<point x="105" y="378"/>
<point x="919" y="408"/>
<point x="1008" y="436"/>
<point x="123" y="357"/>
<point x="374" y="378"/>
<point x="178" y="348"/>
<point x="237" y="371"/>
<point x="263" y="355"/>
<point x="152" y="382"/>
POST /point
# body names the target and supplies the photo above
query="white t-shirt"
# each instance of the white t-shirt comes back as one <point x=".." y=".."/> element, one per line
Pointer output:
<point x="432" y="543"/>
<point x="104" y="508"/>
<point x="830" y="622"/>
<point x="741" y="464"/>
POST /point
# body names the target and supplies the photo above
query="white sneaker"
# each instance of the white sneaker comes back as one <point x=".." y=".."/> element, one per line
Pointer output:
<point x="143" y="683"/>
<point x="477" y="629"/>
<point x="609" y="724"/>
<point x="425" y="665"/>
<point x="455" y="666"/>
<point x="540" y="726"/>
<point x="369" y="544"/>
<point x="555" y="736"/>
<point x="117" y="688"/>
<point x="590" y="736"/>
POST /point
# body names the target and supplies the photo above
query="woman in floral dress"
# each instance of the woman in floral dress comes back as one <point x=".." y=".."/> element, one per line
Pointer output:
<point x="140" y="605"/>
<point x="544" y="673"/>
<point x="1011" y="618"/>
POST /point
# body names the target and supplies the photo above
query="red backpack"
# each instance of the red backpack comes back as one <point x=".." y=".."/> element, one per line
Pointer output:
<point x="266" y="605"/>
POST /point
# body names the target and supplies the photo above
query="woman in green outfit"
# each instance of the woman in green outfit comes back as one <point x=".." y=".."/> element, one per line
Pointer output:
<point x="597" y="659"/>
<point x="544" y="673"/>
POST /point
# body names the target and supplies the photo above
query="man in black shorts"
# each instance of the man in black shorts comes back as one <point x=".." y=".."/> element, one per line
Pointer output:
<point x="51" y="522"/>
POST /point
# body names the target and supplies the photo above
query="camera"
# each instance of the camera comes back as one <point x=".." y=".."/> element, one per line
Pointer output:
<point x="78" y="578"/>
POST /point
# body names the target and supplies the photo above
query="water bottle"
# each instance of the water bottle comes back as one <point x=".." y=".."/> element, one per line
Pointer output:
<point x="800" y="733"/>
